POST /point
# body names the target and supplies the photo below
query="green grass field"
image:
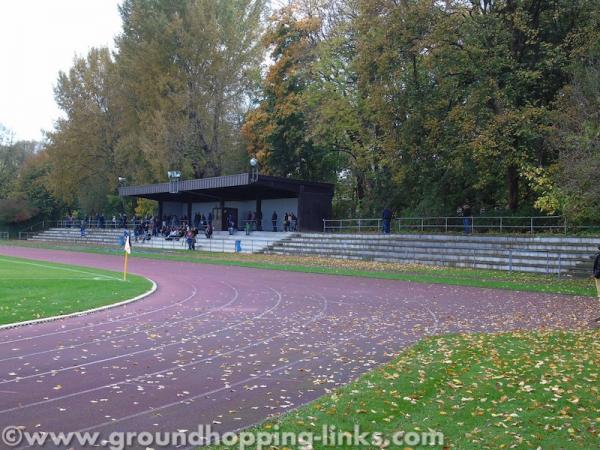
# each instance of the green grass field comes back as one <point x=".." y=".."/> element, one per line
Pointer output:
<point x="495" y="279"/>
<point x="482" y="391"/>
<point x="36" y="289"/>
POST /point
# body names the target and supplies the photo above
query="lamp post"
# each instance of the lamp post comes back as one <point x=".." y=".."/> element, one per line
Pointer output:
<point x="174" y="177"/>
<point x="254" y="170"/>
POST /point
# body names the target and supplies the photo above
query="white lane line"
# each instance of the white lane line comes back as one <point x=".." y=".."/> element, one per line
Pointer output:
<point x="133" y="316"/>
<point x="138" y="352"/>
<point x="214" y="391"/>
<point x="81" y="313"/>
<point x="113" y="337"/>
<point x="66" y="269"/>
<point x="435" y="321"/>
<point x="98" y="278"/>
<point x="172" y="368"/>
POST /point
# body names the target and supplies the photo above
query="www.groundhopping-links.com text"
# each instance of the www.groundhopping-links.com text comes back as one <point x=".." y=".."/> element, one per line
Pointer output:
<point x="329" y="436"/>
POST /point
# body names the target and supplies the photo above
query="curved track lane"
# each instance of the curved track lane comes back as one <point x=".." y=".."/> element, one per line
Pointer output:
<point x="229" y="346"/>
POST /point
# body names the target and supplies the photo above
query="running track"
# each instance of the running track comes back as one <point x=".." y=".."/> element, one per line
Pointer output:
<point x="229" y="346"/>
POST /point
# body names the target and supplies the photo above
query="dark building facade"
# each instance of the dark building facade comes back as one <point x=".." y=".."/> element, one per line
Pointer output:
<point x="239" y="195"/>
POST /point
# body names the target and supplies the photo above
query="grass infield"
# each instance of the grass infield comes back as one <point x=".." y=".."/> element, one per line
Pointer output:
<point x="495" y="279"/>
<point x="482" y="391"/>
<point x="37" y="289"/>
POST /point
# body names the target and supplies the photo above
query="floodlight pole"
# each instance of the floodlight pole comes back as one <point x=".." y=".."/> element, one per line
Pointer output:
<point x="254" y="170"/>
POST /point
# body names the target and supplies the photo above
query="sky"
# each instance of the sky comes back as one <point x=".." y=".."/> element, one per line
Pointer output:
<point x="39" y="38"/>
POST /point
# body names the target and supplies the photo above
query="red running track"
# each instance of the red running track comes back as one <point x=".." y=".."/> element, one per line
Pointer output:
<point x="229" y="346"/>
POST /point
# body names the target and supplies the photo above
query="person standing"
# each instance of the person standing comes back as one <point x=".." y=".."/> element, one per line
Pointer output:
<point x="596" y="272"/>
<point x="274" y="220"/>
<point x="387" y="220"/>
<point x="467" y="218"/>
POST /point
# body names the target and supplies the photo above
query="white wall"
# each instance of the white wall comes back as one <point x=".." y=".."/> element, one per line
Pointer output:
<point x="281" y="206"/>
<point x="174" y="208"/>
<point x="203" y="208"/>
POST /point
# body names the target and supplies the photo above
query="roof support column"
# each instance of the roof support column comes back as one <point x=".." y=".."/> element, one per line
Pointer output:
<point x="258" y="214"/>
<point x="189" y="213"/>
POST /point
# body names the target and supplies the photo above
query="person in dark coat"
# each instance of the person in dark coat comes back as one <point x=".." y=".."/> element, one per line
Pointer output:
<point x="467" y="218"/>
<point x="274" y="220"/>
<point x="387" y="220"/>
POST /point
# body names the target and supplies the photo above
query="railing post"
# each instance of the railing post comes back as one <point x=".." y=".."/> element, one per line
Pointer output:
<point x="359" y="225"/>
<point x="422" y="224"/>
<point x="446" y="224"/>
<point x="532" y="225"/>
<point x="565" y="225"/>
<point x="500" y="224"/>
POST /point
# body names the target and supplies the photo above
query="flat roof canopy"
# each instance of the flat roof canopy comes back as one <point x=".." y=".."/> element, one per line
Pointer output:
<point x="228" y="188"/>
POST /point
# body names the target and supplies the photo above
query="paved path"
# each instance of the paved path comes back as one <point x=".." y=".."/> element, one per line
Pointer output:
<point x="229" y="346"/>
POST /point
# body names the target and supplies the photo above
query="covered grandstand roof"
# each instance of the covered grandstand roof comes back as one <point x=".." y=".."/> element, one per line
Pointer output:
<point x="229" y="187"/>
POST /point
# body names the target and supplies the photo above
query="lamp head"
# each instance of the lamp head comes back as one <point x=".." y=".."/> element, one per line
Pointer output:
<point x="253" y="162"/>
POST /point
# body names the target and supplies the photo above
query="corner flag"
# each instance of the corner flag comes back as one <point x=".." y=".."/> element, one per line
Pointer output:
<point x="127" y="253"/>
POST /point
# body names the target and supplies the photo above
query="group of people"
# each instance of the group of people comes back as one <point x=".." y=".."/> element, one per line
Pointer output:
<point x="290" y="221"/>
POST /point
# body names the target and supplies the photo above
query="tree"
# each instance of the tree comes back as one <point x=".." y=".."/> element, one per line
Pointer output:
<point x="83" y="149"/>
<point x="574" y="187"/>
<point x="277" y="131"/>
<point x="187" y="69"/>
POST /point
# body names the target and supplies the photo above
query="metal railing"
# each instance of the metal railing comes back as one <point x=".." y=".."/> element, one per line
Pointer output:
<point x="475" y="224"/>
<point x="214" y="244"/>
<point x="4" y="236"/>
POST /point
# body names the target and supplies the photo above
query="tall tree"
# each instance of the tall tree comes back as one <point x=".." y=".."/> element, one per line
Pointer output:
<point x="277" y="130"/>
<point x="83" y="147"/>
<point x="187" y="68"/>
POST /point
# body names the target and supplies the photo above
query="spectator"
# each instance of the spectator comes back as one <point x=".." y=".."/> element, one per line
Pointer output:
<point x="286" y="222"/>
<point x="82" y="227"/>
<point x="230" y="224"/>
<point x="274" y="220"/>
<point x="467" y="218"/>
<point x="596" y="272"/>
<point x="209" y="230"/>
<point x="190" y="239"/>
<point x="387" y="220"/>
<point x="258" y="217"/>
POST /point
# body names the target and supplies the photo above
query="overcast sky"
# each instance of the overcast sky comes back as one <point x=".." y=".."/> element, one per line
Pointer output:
<point x="38" y="38"/>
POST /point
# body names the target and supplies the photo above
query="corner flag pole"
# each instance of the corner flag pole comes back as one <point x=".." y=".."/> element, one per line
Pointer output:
<point x="127" y="252"/>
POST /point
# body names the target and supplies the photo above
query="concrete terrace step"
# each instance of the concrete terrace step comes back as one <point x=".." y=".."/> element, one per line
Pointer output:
<point x="221" y="241"/>
<point x="524" y="259"/>
<point x="449" y="237"/>
<point x="392" y="245"/>
<point x="501" y="265"/>
<point x="416" y="247"/>
<point x="546" y="254"/>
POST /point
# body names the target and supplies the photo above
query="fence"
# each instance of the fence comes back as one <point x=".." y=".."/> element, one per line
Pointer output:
<point x="451" y="224"/>
<point x="4" y="235"/>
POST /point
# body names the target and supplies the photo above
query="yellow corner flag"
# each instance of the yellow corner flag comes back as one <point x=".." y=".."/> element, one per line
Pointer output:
<point x="127" y="253"/>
